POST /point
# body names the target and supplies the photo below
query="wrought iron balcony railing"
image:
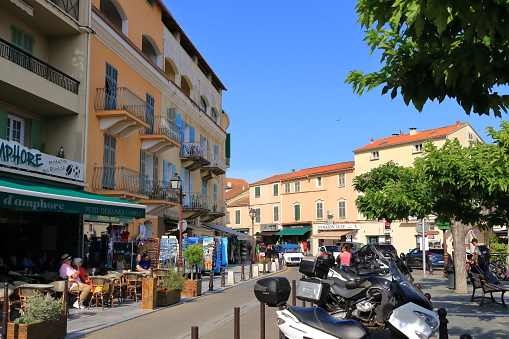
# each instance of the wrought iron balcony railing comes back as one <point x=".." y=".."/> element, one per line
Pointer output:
<point x="196" y="201"/>
<point x="37" y="66"/>
<point x="121" y="98"/>
<point x="71" y="7"/>
<point x="218" y="206"/>
<point x="121" y="179"/>
<point x="163" y="126"/>
<point x="161" y="190"/>
<point x="194" y="150"/>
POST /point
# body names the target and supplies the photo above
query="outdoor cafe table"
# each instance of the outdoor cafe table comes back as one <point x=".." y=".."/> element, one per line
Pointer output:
<point x="36" y="286"/>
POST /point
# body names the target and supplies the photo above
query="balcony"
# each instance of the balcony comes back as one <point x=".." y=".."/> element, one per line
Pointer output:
<point x="194" y="155"/>
<point x="121" y="111"/>
<point x="161" y="197"/>
<point x="122" y="182"/>
<point x="217" y="165"/>
<point x="195" y="205"/>
<point x="45" y="89"/>
<point x="217" y="210"/>
<point x="162" y="135"/>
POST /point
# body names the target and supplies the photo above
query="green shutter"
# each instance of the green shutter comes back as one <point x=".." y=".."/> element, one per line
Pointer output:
<point x="3" y="123"/>
<point x="297" y="212"/>
<point x="36" y="135"/>
<point x="227" y="146"/>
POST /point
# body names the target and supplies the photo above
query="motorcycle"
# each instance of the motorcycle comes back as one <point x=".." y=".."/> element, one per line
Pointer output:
<point x="397" y="304"/>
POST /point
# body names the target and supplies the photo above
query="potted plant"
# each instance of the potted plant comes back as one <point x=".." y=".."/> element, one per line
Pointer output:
<point x="171" y="288"/>
<point x="193" y="255"/>
<point x="43" y="319"/>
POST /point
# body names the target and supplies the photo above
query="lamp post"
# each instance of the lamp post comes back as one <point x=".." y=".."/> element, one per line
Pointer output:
<point x="252" y="214"/>
<point x="176" y="183"/>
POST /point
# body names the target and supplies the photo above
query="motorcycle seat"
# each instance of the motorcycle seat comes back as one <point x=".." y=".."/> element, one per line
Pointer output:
<point x="318" y="318"/>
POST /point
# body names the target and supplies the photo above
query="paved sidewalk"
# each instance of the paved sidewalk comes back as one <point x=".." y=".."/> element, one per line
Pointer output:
<point x="85" y="321"/>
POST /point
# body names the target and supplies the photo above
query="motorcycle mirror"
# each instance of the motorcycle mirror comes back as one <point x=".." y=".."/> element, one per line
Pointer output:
<point x="428" y="296"/>
<point x="402" y="255"/>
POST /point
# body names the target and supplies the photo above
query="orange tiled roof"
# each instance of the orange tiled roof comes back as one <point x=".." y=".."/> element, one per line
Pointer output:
<point x="244" y="201"/>
<point x="277" y="177"/>
<point x="238" y="186"/>
<point x="321" y="169"/>
<point x="404" y="138"/>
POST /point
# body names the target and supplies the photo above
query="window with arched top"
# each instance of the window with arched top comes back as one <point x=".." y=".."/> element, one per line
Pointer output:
<point x="185" y="86"/>
<point x="170" y="69"/>
<point x="115" y="14"/>
<point x="214" y="116"/>
<point x="203" y="104"/>
<point x="149" y="48"/>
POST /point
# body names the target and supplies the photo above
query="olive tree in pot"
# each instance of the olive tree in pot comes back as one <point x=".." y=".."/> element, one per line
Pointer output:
<point x="193" y="258"/>
<point x="171" y="288"/>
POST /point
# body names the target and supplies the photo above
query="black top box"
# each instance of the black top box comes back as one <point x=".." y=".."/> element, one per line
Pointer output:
<point x="313" y="268"/>
<point x="273" y="291"/>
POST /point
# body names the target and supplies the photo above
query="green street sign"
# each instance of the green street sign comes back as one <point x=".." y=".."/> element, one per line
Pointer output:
<point x="443" y="225"/>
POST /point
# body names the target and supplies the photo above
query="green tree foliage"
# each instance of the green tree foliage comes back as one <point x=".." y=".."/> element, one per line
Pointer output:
<point x="194" y="257"/>
<point x="433" y="49"/>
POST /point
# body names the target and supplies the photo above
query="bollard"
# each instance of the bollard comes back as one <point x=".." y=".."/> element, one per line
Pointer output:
<point x="262" y="320"/>
<point x="250" y="271"/>
<point x="242" y="275"/>
<point x="231" y="278"/>
<point x="211" y="281"/>
<point x="5" y="310"/>
<point x="442" y="329"/>
<point x="194" y="332"/>
<point x="236" y="323"/>
<point x="222" y="278"/>
<point x="294" y="296"/>
<point x="256" y="273"/>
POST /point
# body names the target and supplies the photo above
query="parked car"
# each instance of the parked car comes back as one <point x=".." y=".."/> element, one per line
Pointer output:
<point x="414" y="257"/>
<point x="290" y="253"/>
<point x="364" y="254"/>
<point x="336" y="250"/>
<point x="354" y="246"/>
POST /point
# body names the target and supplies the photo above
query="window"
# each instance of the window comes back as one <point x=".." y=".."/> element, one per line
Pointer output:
<point x="288" y="187"/>
<point x="319" y="210"/>
<point x="276" y="213"/>
<point x="417" y="148"/>
<point x="25" y="42"/>
<point x="214" y="116"/>
<point x="296" y="212"/>
<point x="297" y="186"/>
<point x="257" y="192"/>
<point x="275" y="190"/>
<point x="237" y="217"/>
<point x="228" y="217"/>
<point x="149" y="112"/>
<point x="341" y="179"/>
<point x="319" y="182"/>
<point x="258" y="216"/>
<point x="15" y="129"/>
<point x="109" y="160"/>
<point x="203" y="104"/>
<point x="375" y="155"/>
<point x="342" y="209"/>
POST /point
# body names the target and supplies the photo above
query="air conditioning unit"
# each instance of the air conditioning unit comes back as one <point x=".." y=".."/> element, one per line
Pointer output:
<point x="330" y="213"/>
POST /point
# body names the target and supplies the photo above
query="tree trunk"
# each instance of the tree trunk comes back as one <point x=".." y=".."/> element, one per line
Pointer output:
<point x="459" y="231"/>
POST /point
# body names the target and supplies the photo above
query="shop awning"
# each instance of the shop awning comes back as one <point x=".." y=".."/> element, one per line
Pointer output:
<point x="266" y="233"/>
<point x="224" y="229"/>
<point x="293" y="231"/>
<point x="27" y="195"/>
<point x="331" y="234"/>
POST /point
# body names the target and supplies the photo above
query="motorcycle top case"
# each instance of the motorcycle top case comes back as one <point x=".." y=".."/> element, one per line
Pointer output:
<point x="273" y="291"/>
<point x="313" y="290"/>
<point x="313" y="268"/>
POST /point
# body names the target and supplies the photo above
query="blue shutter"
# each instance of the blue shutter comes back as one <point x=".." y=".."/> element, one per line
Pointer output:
<point x="191" y="133"/>
<point x="111" y="88"/>
<point x="180" y="124"/>
<point x="173" y="169"/>
<point x="215" y="192"/>
<point x="166" y="166"/>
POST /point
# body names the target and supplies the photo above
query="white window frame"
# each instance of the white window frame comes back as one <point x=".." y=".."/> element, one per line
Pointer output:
<point x="288" y="187"/>
<point x="417" y="148"/>
<point x="259" y="189"/>
<point x="342" y="179"/>
<point x="319" y="209"/>
<point x="238" y="217"/>
<point x="297" y="186"/>
<point x="258" y="216"/>
<point x="275" y="213"/>
<point x="319" y="181"/>
<point x="375" y="155"/>
<point x="275" y="190"/>
<point x="11" y="119"/>
<point x="341" y="209"/>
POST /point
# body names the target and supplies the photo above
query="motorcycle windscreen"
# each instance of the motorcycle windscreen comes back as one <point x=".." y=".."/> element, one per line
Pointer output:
<point x="408" y="291"/>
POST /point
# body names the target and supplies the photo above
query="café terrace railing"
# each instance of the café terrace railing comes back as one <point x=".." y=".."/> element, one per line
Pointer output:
<point x="121" y="98"/>
<point x="18" y="56"/>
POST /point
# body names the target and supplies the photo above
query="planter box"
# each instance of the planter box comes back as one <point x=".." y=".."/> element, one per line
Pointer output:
<point x="192" y="288"/>
<point x="45" y="330"/>
<point x="167" y="297"/>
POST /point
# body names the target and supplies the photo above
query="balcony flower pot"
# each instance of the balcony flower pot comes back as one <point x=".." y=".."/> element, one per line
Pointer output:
<point x="167" y="297"/>
<point x="192" y="288"/>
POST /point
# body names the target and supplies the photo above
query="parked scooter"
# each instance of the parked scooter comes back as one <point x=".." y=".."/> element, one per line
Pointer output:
<point x="397" y="304"/>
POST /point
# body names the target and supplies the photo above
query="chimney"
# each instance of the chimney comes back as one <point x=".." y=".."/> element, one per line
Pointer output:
<point x="372" y="140"/>
<point x="293" y="170"/>
<point x="413" y="130"/>
<point x="457" y="122"/>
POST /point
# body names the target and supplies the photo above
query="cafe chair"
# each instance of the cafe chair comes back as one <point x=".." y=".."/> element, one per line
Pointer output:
<point x="118" y="284"/>
<point x="25" y="293"/>
<point x="100" y="290"/>
<point x="58" y="291"/>
<point x="133" y="284"/>
<point x="48" y="276"/>
<point x="11" y="304"/>
<point x="159" y="273"/>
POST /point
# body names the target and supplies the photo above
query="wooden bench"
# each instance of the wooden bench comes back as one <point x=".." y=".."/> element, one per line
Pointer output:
<point x="479" y="282"/>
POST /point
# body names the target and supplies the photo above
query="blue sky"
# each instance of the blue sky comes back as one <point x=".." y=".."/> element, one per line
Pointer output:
<point x="284" y="64"/>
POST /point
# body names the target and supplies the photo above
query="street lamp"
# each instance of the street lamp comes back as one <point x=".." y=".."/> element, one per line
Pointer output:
<point x="252" y="214"/>
<point x="176" y="183"/>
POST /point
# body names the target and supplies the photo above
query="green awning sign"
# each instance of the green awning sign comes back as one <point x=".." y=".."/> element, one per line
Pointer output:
<point x="293" y="231"/>
<point x="26" y="195"/>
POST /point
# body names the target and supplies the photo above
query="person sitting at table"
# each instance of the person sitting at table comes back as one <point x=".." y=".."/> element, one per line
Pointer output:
<point x="67" y="272"/>
<point x="77" y="265"/>
<point x="27" y="262"/>
<point x="120" y="262"/>
<point x="14" y="265"/>
<point x="95" y="261"/>
<point x="144" y="263"/>
<point x="5" y="272"/>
